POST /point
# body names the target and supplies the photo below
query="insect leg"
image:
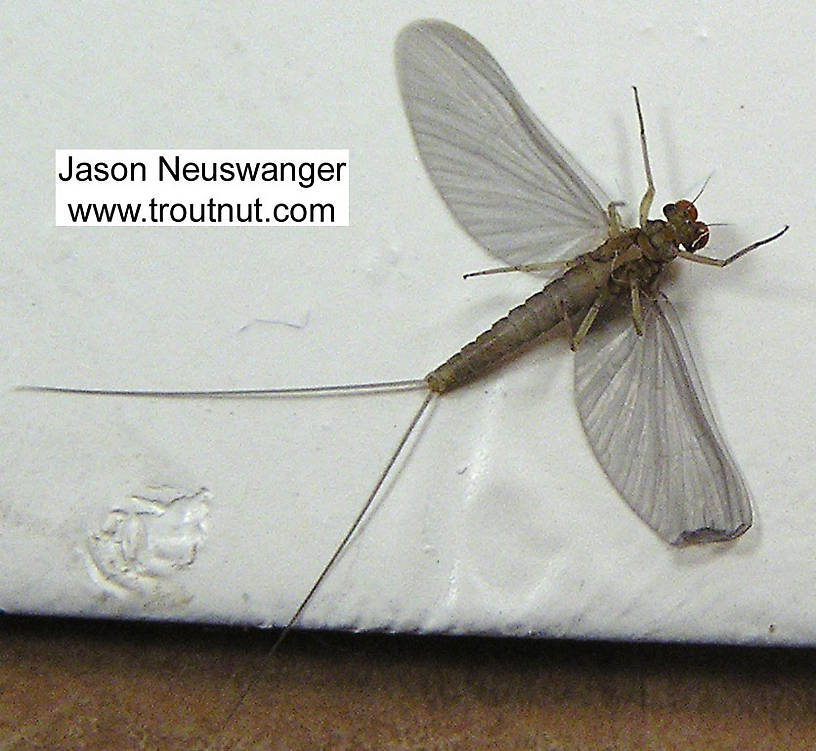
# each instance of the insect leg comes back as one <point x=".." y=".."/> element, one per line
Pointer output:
<point x="562" y="309"/>
<point x="615" y="224"/>
<point x="720" y="262"/>
<point x="648" y="196"/>
<point x="545" y="266"/>
<point x="589" y="319"/>
<point x="637" y="313"/>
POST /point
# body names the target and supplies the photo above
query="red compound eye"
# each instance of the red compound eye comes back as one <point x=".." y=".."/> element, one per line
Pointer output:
<point x="688" y="208"/>
<point x="701" y="235"/>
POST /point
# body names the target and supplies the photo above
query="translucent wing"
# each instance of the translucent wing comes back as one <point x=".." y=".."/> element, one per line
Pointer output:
<point x="651" y="428"/>
<point x="504" y="176"/>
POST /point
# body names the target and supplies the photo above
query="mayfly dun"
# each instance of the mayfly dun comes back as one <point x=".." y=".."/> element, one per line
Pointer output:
<point x="520" y="195"/>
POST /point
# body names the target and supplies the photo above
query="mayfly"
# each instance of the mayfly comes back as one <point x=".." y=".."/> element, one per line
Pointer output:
<point x="520" y="195"/>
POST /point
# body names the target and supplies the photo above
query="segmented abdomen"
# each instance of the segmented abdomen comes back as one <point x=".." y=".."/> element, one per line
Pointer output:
<point x="571" y="293"/>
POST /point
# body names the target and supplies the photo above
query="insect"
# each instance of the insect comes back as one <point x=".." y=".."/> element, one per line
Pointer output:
<point x="520" y="195"/>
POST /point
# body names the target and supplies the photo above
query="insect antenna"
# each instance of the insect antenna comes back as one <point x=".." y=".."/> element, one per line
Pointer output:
<point x="700" y="192"/>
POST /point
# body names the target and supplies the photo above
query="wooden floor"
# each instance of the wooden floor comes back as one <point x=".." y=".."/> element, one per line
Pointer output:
<point x="103" y="685"/>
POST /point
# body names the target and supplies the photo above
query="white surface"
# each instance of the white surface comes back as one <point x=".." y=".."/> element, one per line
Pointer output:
<point x="500" y="521"/>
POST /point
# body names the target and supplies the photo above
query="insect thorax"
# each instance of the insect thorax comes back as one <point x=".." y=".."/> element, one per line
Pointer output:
<point x="634" y="255"/>
<point x="659" y="241"/>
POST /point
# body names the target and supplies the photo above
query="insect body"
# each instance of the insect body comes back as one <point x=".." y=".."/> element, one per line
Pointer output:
<point x="520" y="194"/>
<point x="628" y="262"/>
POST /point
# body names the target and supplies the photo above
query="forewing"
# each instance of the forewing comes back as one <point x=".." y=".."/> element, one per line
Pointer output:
<point x="503" y="175"/>
<point x="652" y="430"/>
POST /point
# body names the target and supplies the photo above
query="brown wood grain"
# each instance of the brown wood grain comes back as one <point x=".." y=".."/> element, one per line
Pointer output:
<point x="104" y="685"/>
